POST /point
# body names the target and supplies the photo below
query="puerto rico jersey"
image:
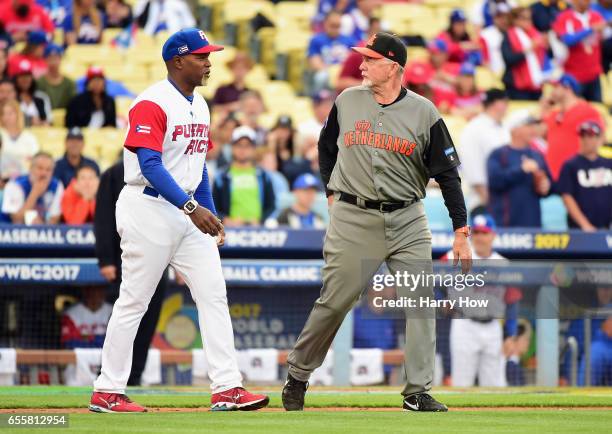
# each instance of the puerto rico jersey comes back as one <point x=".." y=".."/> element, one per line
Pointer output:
<point x="162" y="119"/>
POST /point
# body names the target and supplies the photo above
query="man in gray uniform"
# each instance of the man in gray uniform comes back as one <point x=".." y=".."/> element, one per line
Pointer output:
<point x="378" y="149"/>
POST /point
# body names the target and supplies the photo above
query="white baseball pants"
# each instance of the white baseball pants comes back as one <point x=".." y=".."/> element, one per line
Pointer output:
<point x="476" y="351"/>
<point x="154" y="233"/>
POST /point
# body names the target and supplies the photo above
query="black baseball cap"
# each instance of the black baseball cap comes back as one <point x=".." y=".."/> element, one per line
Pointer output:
<point x="493" y="95"/>
<point x="74" y="133"/>
<point x="384" y="44"/>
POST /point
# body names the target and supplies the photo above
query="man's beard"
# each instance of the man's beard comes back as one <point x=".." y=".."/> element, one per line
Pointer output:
<point x="204" y="81"/>
<point x="366" y="82"/>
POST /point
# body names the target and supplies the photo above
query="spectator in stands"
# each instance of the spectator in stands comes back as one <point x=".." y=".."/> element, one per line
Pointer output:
<point x="243" y="193"/>
<point x="564" y="120"/>
<point x="227" y="97"/>
<point x="461" y="48"/>
<point x="300" y="215"/>
<point x="113" y="88"/>
<point x="481" y="136"/>
<point x="350" y="74"/>
<point x="520" y="347"/>
<point x="328" y="48"/>
<point x="79" y="200"/>
<point x="322" y="103"/>
<point x="118" y="14"/>
<point x="518" y="176"/>
<point x="3" y="64"/>
<point x="416" y="78"/>
<point x="33" y="52"/>
<point x="34" y="103"/>
<point x="221" y="132"/>
<point x="19" y="17"/>
<point x="355" y="22"/>
<point x="93" y="108"/>
<point x="84" y="25"/>
<point x="84" y="324"/>
<point x="467" y="101"/>
<point x="266" y="160"/>
<point x="601" y="357"/>
<point x="491" y="38"/>
<point x="56" y="85"/>
<point x="56" y="9"/>
<point x="73" y="159"/>
<point x="482" y="13"/>
<point x="281" y="139"/>
<point x="156" y="15"/>
<point x="8" y="91"/>
<point x="18" y="146"/>
<point x="251" y="107"/>
<point x="585" y="183"/>
<point x="581" y="29"/>
<point x="5" y="43"/>
<point x="544" y="13"/>
<point x="524" y="51"/>
<point x="326" y="6"/>
<point x="34" y="198"/>
<point x="604" y="7"/>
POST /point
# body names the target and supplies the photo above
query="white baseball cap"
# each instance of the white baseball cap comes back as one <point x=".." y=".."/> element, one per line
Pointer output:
<point x="244" y="132"/>
<point x="520" y="118"/>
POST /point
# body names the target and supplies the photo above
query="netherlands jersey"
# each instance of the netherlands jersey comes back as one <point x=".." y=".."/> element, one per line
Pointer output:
<point x="162" y="119"/>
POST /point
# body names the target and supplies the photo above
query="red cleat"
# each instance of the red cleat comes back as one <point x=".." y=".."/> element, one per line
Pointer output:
<point x="113" y="403"/>
<point x="237" y="399"/>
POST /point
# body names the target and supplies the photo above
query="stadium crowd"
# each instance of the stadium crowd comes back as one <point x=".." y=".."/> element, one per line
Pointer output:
<point x="554" y="54"/>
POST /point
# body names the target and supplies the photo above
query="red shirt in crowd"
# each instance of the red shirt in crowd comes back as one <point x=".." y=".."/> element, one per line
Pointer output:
<point x="75" y="209"/>
<point x="563" y="139"/>
<point x="38" y="65"/>
<point x="584" y="58"/>
<point x="36" y="19"/>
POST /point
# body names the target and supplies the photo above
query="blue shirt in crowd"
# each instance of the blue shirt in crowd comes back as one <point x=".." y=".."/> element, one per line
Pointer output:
<point x="513" y="200"/>
<point x="87" y="33"/>
<point x="590" y="184"/>
<point x="65" y="172"/>
<point x="332" y="50"/>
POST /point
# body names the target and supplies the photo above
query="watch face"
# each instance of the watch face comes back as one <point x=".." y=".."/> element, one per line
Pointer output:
<point x="190" y="206"/>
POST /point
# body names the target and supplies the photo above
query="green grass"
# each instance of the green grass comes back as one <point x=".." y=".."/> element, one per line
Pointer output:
<point x="545" y="417"/>
<point x="536" y="421"/>
<point x="70" y="397"/>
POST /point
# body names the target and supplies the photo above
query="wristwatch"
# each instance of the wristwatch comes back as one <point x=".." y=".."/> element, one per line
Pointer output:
<point x="190" y="206"/>
<point x="466" y="230"/>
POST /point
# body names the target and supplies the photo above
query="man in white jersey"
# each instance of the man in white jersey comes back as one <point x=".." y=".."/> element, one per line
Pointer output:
<point x="161" y="222"/>
<point x="477" y="342"/>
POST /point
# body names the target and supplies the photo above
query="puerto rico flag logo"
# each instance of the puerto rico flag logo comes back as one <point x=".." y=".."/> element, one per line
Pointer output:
<point x="143" y="129"/>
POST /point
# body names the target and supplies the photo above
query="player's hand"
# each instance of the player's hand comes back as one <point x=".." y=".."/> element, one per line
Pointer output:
<point x="109" y="272"/>
<point x="221" y="238"/>
<point x="462" y="251"/>
<point x="509" y="346"/>
<point x="330" y="200"/>
<point x="206" y="221"/>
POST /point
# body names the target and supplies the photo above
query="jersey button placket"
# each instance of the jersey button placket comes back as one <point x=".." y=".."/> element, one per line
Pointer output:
<point x="377" y="162"/>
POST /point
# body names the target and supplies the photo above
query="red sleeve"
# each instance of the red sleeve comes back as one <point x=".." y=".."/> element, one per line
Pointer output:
<point x="484" y="49"/>
<point x="559" y="24"/>
<point x="211" y="145"/>
<point x="47" y="23"/>
<point x="512" y="295"/>
<point x="147" y="122"/>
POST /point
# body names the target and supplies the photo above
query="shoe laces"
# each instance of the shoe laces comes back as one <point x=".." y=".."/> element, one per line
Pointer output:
<point x="297" y="384"/>
<point x="114" y="397"/>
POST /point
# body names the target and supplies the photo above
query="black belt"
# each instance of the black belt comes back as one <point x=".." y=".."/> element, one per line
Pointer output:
<point x="482" y="320"/>
<point x="382" y="206"/>
<point x="150" y="191"/>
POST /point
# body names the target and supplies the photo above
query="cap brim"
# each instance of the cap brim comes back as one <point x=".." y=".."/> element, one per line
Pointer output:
<point x="484" y="229"/>
<point x="208" y="49"/>
<point x="367" y="52"/>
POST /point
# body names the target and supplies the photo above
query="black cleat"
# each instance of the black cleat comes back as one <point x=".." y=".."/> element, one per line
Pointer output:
<point x="423" y="402"/>
<point x="293" y="394"/>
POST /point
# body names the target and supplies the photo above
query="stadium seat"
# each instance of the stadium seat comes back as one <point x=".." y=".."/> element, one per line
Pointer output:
<point x="94" y="54"/>
<point x="486" y="79"/>
<point x="257" y="78"/>
<point x="436" y="212"/>
<point x="302" y="110"/>
<point x="59" y="117"/>
<point x="50" y="139"/>
<point x="73" y="69"/>
<point x="122" y="105"/>
<point x="299" y="13"/>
